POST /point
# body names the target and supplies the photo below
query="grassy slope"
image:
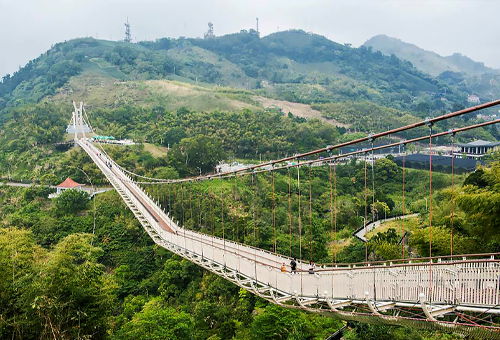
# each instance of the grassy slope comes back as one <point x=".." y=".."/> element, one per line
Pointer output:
<point x="99" y="90"/>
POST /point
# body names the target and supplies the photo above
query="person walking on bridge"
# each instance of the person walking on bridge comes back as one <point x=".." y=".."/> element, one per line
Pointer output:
<point x="293" y="265"/>
<point x="283" y="268"/>
<point x="312" y="266"/>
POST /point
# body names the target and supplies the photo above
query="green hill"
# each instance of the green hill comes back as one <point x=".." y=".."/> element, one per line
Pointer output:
<point x="292" y="65"/>
<point x="457" y="70"/>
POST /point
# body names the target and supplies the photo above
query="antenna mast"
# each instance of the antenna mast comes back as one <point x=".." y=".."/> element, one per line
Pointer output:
<point x="127" y="32"/>
<point x="210" y="33"/>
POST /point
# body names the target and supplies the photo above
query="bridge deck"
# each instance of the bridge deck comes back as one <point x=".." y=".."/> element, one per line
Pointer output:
<point x="438" y="288"/>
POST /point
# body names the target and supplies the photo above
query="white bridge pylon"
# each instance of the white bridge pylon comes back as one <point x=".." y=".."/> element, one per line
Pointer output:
<point x="434" y="289"/>
<point x="78" y="125"/>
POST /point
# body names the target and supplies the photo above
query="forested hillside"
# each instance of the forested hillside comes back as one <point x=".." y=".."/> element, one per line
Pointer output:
<point x="293" y="65"/>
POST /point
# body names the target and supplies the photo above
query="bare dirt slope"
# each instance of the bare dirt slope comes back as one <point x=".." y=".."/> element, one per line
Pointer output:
<point x="297" y="109"/>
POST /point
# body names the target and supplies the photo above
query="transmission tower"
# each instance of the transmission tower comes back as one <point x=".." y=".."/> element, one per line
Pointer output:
<point x="210" y="33"/>
<point x="257" y="26"/>
<point x="127" y="32"/>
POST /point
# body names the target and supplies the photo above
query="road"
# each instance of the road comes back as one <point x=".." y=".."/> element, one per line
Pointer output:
<point x="370" y="226"/>
<point x="25" y="185"/>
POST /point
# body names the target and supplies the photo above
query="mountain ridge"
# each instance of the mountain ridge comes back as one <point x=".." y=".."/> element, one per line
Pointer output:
<point x="291" y="65"/>
<point x="420" y="57"/>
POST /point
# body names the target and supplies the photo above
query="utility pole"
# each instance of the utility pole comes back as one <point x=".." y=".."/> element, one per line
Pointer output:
<point x="128" y="37"/>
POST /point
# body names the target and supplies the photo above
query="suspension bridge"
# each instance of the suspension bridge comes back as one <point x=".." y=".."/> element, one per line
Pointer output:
<point x="459" y="292"/>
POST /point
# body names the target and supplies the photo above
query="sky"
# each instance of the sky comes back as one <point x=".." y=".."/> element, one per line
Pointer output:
<point x="470" y="27"/>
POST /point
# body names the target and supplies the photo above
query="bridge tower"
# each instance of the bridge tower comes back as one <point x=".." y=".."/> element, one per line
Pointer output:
<point x="78" y="124"/>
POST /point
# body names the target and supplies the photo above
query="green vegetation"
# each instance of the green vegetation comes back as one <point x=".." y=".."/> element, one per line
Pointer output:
<point x="28" y="151"/>
<point x="61" y="278"/>
<point x="117" y="284"/>
<point x="366" y="116"/>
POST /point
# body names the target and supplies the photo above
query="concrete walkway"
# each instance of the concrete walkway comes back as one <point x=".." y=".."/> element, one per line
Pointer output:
<point x="370" y="226"/>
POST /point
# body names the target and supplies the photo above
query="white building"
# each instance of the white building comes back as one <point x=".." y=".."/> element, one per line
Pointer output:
<point x="476" y="149"/>
<point x="473" y="99"/>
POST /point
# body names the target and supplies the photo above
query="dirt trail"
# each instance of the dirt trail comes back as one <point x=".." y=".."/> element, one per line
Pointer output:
<point x="297" y="109"/>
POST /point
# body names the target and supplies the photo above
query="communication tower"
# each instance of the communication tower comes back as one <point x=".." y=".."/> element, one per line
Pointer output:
<point x="210" y="33"/>
<point x="128" y="37"/>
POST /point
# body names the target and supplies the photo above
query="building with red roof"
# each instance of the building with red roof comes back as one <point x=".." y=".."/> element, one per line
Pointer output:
<point x="68" y="183"/>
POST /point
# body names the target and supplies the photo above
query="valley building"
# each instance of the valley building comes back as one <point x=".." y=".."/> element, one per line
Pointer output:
<point x="476" y="149"/>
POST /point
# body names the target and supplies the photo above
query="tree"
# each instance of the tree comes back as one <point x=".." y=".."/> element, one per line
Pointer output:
<point x="380" y="209"/>
<point x="19" y="255"/>
<point x="386" y="245"/>
<point x="280" y="323"/>
<point x="386" y="170"/>
<point x="72" y="201"/>
<point x="480" y="200"/>
<point x="199" y="152"/>
<point x="74" y="296"/>
<point x="156" y="321"/>
<point x="176" y="276"/>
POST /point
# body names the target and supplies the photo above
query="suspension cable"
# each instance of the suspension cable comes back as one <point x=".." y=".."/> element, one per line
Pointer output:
<point x="332" y="225"/>
<point x="430" y="211"/>
<point x="300" y="227"/>
<point x="373" y="185"/>
<point x="322" y="160"/>
<point x="182" y="206"/>
<point x="311" y="249"/>
<point x="453" y="192"/>
<point x="403" y="208"/>
<point x="200" y="222"/>
<point x="169" y="192"/>
<point x="335" y="203"/>
<point x="254" y="213"/>
<point x="366" y="207"/>
<point x="430" y="189"/>
<point x="212" y="213"/>
<point x="274" y="212"/>
<point x="299" y="213"/>
<point x="330" y="147"/>
<point x="236" y="233"/>
<point x="223" y="225"/>
<point x="190" y="197"/>
<point x="290" y="209"/>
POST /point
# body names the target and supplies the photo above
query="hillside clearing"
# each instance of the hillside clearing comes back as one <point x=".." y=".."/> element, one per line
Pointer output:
<point x="297" y="109"/>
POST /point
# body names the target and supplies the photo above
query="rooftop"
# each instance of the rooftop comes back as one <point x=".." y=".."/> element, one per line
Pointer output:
<point x="480" y="143"/>
<point x="68" y="184"/>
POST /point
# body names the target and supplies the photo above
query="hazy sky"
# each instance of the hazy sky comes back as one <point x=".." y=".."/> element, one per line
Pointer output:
<point x="470" y="27"/>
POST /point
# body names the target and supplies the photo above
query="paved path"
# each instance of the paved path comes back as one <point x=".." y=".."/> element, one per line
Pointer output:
<point x="25" y="185"/>
<point x="370" y="226"/>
